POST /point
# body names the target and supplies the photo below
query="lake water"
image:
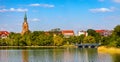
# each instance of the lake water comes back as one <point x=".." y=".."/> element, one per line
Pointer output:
<point x="56" y="55"/>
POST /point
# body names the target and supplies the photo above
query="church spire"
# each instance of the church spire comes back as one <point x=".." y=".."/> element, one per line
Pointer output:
<point x="25" y="27"/>
<point x="25" y="17"/>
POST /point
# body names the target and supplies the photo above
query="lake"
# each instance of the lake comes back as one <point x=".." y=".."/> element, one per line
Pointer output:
<point x="56" y="55"/>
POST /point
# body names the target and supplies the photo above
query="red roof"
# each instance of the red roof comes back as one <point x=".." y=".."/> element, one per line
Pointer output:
<point x="68" y="31"/>
<point x="100" y="31"/>
<point x="4" y="32"/>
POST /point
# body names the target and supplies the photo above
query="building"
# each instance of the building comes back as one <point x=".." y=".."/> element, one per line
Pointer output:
<point x="104" y="32"/>
<point x="4" y="34"/>
<point x="82" y="33"/>
<point x="68" y="33"/>
<point x="25" y="26"/>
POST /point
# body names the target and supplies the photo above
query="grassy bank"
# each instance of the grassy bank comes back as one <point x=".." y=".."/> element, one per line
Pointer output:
<point x="111" y="50"/>
<point x="34" y="47"/>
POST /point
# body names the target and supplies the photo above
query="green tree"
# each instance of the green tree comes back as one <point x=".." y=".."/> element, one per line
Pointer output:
<point x="96" y="35"/>
<point x="98" y="38"/>
<point x="91" y="32"/>
<point x="114" y="39"/>
<point x="3" y="42"/>
<point x="118" y="43"/>
<point x="105" y="40"/>
<point x="80" y="39"/>
<point x="117" y="31"/>
<point x="28" y="41"/>
<point x="89" y="39"/>
<point x="57" y="40"/>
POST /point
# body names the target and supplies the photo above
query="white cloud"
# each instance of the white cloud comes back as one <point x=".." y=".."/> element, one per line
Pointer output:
<point x="34" y="4"/>
<point x="117" y="1"/>
<point x="13" y="10"/>
<point x="102" y="9"/>
<point x="35" y="20"/>
<point x="43" y="5"/>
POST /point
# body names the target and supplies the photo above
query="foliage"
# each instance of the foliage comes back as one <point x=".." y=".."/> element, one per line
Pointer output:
<point x="117" y="30"/>
<point x="114" y="39"/>
<point x="91" y="32"/>
<point x="80" y="39"/>
<point x="89" y="39"/>
<point x="40" y="38"/>
<point x="57" y="40"/>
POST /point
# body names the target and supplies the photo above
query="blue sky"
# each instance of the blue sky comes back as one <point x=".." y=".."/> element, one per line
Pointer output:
<point x="65" y="14"/>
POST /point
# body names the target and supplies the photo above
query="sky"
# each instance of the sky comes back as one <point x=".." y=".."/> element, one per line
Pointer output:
<point x="44" y="15"/>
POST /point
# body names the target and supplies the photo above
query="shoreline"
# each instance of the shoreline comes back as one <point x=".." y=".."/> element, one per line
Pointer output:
<point x="111" y="50"/>
<point x="101" y="49"/>
<point x="34" y="47"/>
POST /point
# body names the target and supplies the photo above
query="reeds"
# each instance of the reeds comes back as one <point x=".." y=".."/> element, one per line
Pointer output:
<point x="112" y="50"/>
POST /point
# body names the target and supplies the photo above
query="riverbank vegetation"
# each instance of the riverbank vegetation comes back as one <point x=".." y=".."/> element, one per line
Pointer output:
<point x="113" y="40"/>
<point x="111" y="50"/>
<point x="40" y="38"/>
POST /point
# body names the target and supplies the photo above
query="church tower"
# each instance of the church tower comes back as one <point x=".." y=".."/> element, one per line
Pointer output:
<point x="25" y="27"/>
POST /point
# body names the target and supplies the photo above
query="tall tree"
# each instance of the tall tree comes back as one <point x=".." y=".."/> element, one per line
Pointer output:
<point x="91" y="32"/>
<point x="117" y="30"/>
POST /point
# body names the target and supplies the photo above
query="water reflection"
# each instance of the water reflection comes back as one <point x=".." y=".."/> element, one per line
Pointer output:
<point x="57" y="55"/>
<point x="10" y="56"/>
<point x="104" y="57"/>
<point x="116" y="57"/>
<point x="87" y="55"/>
<point x="4" y="56"/>
<point x="25" y="56"/>
<point x="68" y="55"/>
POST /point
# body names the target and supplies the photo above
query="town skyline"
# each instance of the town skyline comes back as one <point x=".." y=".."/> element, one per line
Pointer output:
<point x="45" y="15"/>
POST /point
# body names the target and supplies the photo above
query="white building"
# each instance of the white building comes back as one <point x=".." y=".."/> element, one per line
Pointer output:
<point x="82" y="33"/>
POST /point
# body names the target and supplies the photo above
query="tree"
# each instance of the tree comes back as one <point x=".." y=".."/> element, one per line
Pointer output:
<point x="97" y="37"/>
<point x="28" y="41"/>
<point x="57" y="40"/>
<point x="89" y="39"/>
<point x="91" y="32"/>
<point x="80" y="39"/>
<point x="117" y="31"/>
<point x="118" y="43"/>
<point x="105" y="40"/>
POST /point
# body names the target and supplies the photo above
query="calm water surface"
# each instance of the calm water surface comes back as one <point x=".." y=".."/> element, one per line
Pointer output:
<point x="56" y="55"/>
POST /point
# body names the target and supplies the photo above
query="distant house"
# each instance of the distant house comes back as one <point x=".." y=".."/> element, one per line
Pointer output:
<point x="82" y="33"/>
<point x="104" y="32"/>
<point x="67" y="33"/>
<point x="4" y="34"/>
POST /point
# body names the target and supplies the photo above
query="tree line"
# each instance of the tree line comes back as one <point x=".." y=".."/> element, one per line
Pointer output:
<point x="40" y="38"/>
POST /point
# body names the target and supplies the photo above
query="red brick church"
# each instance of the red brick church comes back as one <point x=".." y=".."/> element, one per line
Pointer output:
<point x="25" y="26"/>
